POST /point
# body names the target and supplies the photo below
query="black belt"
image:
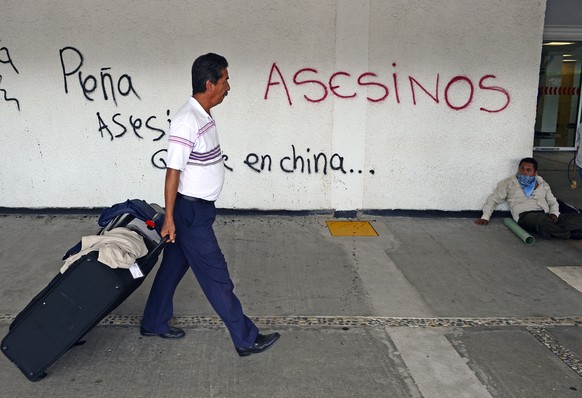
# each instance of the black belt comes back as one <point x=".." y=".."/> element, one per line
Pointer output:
<point x="193" y="199"/>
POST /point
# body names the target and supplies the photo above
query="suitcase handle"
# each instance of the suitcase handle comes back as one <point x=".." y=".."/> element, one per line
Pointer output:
<point x="157" y="250"/>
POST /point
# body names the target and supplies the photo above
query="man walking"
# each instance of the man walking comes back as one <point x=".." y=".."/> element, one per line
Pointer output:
<point x="194" y="179"/>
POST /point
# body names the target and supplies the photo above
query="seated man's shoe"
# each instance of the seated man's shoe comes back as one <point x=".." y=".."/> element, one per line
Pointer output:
<point x="262" y="343"/>
<point x="172" y="333"/>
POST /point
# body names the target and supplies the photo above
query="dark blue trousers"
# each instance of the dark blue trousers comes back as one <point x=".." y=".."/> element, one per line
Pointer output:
<point x="196" y="247"/>
<point x="569" y="225"/>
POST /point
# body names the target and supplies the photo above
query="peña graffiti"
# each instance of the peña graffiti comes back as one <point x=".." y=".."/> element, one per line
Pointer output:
<point x="110" y="87"/>
<point x="458" y="93"/>
<point x="6" y="59"/>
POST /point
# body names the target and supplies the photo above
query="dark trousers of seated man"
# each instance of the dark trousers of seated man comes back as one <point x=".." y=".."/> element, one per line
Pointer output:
<point x="569" y="226"/>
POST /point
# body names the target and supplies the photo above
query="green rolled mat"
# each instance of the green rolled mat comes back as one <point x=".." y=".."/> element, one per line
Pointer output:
<point x="519" y="231"/>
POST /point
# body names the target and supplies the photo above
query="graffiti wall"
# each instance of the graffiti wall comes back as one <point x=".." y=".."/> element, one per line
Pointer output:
<point x="402" y="104"/>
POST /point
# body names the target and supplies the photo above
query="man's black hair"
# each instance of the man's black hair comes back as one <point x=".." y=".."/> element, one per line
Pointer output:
<point x="530" y="160"/>
<point x="207" y="67"/>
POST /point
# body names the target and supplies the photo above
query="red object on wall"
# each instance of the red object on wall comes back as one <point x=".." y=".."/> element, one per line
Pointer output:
<point x="560" y="90"/>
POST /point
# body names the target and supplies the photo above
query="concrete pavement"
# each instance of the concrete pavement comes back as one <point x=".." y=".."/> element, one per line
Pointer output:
<point x="432" y="307"/>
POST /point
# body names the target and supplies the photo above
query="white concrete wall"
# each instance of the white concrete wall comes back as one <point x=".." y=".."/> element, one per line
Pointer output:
<point x="308" y="75"/>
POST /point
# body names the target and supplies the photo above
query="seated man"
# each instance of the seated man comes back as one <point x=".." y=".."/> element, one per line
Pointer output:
<point x="532" y="204"/>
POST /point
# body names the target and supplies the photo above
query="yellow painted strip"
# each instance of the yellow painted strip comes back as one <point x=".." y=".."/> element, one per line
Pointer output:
<point x="351" y="228"/>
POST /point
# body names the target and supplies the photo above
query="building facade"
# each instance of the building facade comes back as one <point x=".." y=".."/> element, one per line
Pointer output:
<point x="335" y="104"/>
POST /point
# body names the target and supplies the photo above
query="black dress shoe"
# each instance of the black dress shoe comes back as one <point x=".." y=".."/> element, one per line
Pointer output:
<point x="262" y="343"/>
<point x="172" y="333"/>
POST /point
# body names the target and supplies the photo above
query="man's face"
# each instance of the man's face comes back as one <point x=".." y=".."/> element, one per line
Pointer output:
<point x="527" y="169"/>
<point x="220" y="89"/>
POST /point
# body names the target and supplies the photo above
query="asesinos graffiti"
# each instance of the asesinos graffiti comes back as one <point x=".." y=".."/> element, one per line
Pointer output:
<point x="457" y="92"/>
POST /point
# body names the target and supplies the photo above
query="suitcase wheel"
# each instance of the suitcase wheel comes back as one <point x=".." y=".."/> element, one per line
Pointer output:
<point x="37" y="377"/>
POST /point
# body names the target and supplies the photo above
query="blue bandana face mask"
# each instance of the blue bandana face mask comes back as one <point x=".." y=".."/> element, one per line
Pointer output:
<point x="528" y="183"/>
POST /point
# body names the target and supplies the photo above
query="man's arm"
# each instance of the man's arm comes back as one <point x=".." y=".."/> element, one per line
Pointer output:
<point x="170" y="193"/>
<point x="498" y="196"/>
<point x="552" y="203"/>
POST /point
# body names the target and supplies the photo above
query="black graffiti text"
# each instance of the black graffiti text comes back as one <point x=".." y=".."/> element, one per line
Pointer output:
<point x="290" y="164"/>
<point x="6" y="97"/>
<point x="118" y="125"/>
<point x="310" y="163"/>
<point x="158" y="159"/>
<point x="6" y="59"/>
<point x="110" y="86"/>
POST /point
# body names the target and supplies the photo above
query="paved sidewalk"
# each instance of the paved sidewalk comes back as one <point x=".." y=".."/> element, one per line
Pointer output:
<point x="432" y="307"/>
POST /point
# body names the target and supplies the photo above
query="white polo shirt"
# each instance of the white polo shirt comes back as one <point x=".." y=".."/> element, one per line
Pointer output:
<point x="193" y="148"/>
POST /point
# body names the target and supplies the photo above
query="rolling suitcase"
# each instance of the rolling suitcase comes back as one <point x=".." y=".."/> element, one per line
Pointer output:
<point x="77" y="300"/>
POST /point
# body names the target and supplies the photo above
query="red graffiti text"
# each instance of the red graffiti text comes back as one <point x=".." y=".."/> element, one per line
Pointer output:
<point x="456" y="93"/>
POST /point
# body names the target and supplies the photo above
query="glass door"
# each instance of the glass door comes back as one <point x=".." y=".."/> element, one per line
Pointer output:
<point x="558" y="109"/>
